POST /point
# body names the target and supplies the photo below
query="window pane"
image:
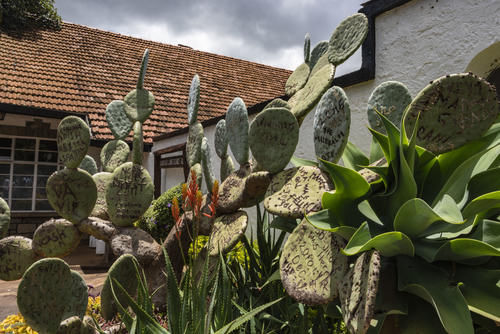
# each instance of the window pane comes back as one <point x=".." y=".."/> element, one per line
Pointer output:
<point x="4" y="154"/>
<point x="4" y="168"/>
<point x="6" y="142"/>
<point x="48" y="145"/>
<point x="24" y="169"/>
<point x="21" y="205"/>
<point x="4" y="192"/>
<point x="40" y="193"/>
<point x="22" y="181"/>
<point x="4" y="180"/>
<point x="22" y="192"/>
<point x="41" y="181"/>
<point x="43" y="205"/>
<point x="24" y="155"/>
<point x="26" y="144"/>
<point x="46" y="169"/>
<point x="44" y="156"/>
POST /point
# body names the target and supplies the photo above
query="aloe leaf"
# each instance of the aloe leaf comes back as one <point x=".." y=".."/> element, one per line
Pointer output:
<point x="324" y="221"/>
<point x="432" y="284"/>
<point x="350" y="189"/>
<point x="367" y="211"/>
<point x="353" y="157"/>
<point x="480" y="290"/>
<point x="421" y="318"/>
<point x="382" y="141"/>
<point x="415" y="216"/>
<point x="388" y="244"/>
<point x="376" y="152"/>
<point x="482" y="203"/>
<point x="299" y="162"/>
<point x="284" y="224"/>
<point x="173" y="296"/>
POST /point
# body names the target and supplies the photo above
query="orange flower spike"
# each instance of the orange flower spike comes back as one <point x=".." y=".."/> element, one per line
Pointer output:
<point x="175" y="209"/>
<point x="184" y="191"/>
<point x="215" y="193"/>
<point x="199" y="199"/>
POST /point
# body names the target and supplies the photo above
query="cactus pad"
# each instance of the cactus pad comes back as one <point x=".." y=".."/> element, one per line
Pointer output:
<point x="273" y="136"/>
<point x="237" y="130"/>
<point x="88" y="164"/>
<point x="124" y="271"/>
<point x="102" y="182"/>
<point x="206" y="163"/>
<point x="73" y="139"/>
<point x="118" y="122"/>
<point x="4" y="218"/>
<point x="331" y="124"/>
<point x="390" y="99"/>
<point x="75" y="325"/>
<point x="144" y="67"/>
<point x="307" y="48"/>
<point x="49" y="293"/>
<point x="193" y="144"/>
<point x="138" y="144"/>
<point x="16" y="255"/>
<point x="137" y="242"/>
<point x="296" y="191"/>
<point x="193" y="100"/>
<point x="453" y="110"/>
<point x="312" y="265"/>
<point x="198" y="171"/>
<point x="72" y="193"/>
<point x="226" y="232"/>
<point x="113" y="154"/>
<point x="226" y="167"/>
<point x="100" y="229"/>
<point x="297" y="79"/>
<point x="129" y="194"/>
<point x="255" y="188"/>
<point x="319" y="50"/>
<point x="347" y="38"/>
<point x="231" y="191"/>
<point x="320" y="63"/>
<point x="306" y="98"/>
<point x="358" y="292"/>
<point x="55" y="238"/>
<point x="277" y="103"/>
<point x="139" y="104"/>
<point x="220" y="140"/>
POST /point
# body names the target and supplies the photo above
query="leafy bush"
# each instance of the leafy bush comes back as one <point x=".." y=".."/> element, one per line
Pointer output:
<point x="19" y="15"/>
<point x="158" y="219"/>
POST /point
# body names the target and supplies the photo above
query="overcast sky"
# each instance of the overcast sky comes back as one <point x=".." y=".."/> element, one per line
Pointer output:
<point x="265" y="31"/>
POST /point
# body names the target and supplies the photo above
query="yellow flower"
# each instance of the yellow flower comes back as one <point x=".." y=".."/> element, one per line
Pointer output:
<point x="15" y="324"/>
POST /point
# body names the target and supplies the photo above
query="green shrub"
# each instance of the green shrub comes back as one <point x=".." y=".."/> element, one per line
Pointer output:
<point x="158" y="220"/>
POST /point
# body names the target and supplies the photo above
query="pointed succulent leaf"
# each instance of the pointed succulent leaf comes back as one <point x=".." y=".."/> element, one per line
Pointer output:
<point x="484" y="182"/>
<point x="421" y="317"/>
<point x="347" y="38"/>
<point x="284" y="224"/>
<point x="323" y="220"/>
<point x="432" y="284"/>
<point x="353" y="157"/>
<point x="73" y="140"/>
<point x="4" y="218"/>
<point x="299" y="162"/>
<point x="237" y="130"/>
<point x="482" y="204"/>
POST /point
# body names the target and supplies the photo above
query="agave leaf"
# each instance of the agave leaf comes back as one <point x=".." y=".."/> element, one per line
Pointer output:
<point x="421" y="318"/>
<point x="484" y="182"/>
<point x="431" y="283"/>
<point x="284" y="224"/>
<point x="367" y="211"/>
<point x="353" y="157"/>
<point x="173" y="297"/>
<point x="299" y="162"/>
<point x="415" y="216"/>
<point x="482" y="203"/>
<point x="488" y="231"/>
<point x="324" y="221"/>
<point x="480" y="290"/>
<point x="350" y="189"/>
<point x="376" y="152"/>
<point x="385" y="174"/>
<point x="388" y="244"/>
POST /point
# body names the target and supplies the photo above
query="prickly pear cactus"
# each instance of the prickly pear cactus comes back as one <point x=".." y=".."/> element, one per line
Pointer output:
<point x="198" y="172"/>
<point x="220" y="140"/>
<point x="331" y="124"/>
<point x="56" y="238"/>
<point x="226" y="167"/>
<point x="102" y="182"/>
<point x="118" y="122"/>
<point x="132" y="240"/>
<point x="138" y="144"/>
<point x="232" y="189"/>
<point x="4" y="218"/>
<point x="88" y="164"/>
<point x="454" y="110"/>
<point x="273" y="137"/>
<point x="390" y="99"/>
<point x="16" y="255"/>
<point x="226" y="232"/>
<point x="75" y="325"/>
<point x="139" y="103"/>
<point x="72" y="193"/>
<point x="358" y="292"/>
<point x="318" y="51"/>
<point x="277" y="103"/>
<point x="320" y="63"/>
<point x="237" y="130"/>
<point x="297" y="79"/>
<point x="296" y="191"/>
<point x="312" y="265"/>
<point x="206" y="163"/>
<point x="73" y="140"/>
<point x="129" y="194"/>
<point x="307" y="48"/>
<point x="101" y="229"/>
<point x="255" y="188"/>
<point x="306" y="98"/>
<point x="193" y="100"/>
<point x="347" y="38"/>
<point x="123" y="270"/>
<point x="50" y="293"/>
<point x="113" y="154"/>
<point x="193" y="144"/>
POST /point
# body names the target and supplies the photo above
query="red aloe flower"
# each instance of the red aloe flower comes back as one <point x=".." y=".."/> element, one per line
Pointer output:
<point x="214" y="200"/>
<point x="177" y="218"/>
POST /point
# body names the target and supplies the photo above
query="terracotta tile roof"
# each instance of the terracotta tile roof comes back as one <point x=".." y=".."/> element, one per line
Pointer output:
<point x="81" y="69"/>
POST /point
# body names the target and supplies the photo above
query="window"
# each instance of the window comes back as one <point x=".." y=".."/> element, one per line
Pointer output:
<point x="25" y="166"/>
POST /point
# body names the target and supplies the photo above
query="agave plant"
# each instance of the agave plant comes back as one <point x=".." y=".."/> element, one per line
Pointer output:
<point x="432" y="215"/>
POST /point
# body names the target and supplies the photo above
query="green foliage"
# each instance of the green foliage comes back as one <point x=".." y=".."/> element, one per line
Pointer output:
<point x="158" y="220"/>
<point x="23" y="15"/>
